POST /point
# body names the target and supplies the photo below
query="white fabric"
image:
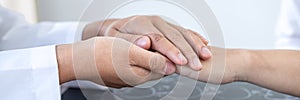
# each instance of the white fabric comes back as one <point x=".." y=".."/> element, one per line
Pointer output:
<point x="29" y="74"/>
<point x="28" y="65"/>
<point x="288" y="29"/>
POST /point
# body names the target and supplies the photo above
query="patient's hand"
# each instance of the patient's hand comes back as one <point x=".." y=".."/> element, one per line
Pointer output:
<point x="180" y="45"/>
<point x="226" y="65"/>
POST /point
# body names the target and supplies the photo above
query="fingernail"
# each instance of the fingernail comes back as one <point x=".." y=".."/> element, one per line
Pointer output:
<point x="141" y="42"/>
<point x="197" y="64"/>
<point x="169" y="69"/>
<point x="182" y="59"/>
<point x="206" y="52"/>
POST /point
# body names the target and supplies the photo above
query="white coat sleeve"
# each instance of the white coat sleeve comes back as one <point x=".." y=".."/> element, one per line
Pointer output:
<point x="28" y="66"/>
<point x="29" y="74"/>
<point x="288" y="28"/>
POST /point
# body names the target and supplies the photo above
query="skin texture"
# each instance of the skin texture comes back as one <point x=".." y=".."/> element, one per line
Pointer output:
<point x="278" y="70"/>
<point x="274" y="69"/>
<point x="226" y="66"/>
<point x="148" y="32"/>
<point x="174" y="42"/>
<point x="132" y="68"/>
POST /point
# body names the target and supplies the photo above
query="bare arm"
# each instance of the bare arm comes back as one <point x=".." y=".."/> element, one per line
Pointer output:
<point x="278" y="70"/>
<point x="275" y="69"/>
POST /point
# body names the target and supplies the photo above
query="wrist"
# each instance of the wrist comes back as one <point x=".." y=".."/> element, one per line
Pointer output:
<point x="240" y="60"/>
<point x="253" y="67"/>
<point x="65" y="64"/>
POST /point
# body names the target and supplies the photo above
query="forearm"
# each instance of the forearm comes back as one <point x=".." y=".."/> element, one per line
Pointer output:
<point x="278" y="70"/>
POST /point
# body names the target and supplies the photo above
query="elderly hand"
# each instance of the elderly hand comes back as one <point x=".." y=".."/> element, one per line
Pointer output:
<point x="180" y="45"/>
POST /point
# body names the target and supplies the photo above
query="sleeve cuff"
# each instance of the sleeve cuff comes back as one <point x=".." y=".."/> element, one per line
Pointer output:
<point x="45" y="74"/>
<point x="29" y="74"/>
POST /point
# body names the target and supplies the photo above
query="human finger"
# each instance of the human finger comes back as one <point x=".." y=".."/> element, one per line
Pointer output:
<point x="143" y="75"/>
<point x="151" y="61"/>
<point x="139" y="40"/>
<point x="141" y="25"/>
<point x="198" y="44"/>
<point x="179" y="41"/>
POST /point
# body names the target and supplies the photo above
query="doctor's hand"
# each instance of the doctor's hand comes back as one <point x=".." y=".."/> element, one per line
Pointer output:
<point x="113" y="62"/>
<point x="180" y="45"/>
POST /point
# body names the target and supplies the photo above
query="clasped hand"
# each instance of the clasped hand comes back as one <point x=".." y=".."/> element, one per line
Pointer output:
<point x="148" y="48"/>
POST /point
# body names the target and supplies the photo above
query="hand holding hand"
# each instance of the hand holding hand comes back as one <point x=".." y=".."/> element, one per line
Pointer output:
<point x="110" y="61"/>
<point x="180" y="45"/>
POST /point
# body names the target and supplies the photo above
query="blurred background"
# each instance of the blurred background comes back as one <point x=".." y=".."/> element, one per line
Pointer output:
<point x="245" y="23"/>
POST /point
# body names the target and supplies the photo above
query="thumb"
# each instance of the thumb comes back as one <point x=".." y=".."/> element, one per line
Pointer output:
<point x="143" y="42"/>
<point x="139" y="40"/>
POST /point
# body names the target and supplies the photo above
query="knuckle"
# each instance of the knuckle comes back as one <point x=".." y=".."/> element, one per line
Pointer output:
<point x="141" y="17"/>
<point x="155" y="37"/>
<point x="135" y="16"/>
<point x="176" y="36"/>
<point x="183" y="30"/>
<point x="191" y="31"/>
<point x="156" y="18"/>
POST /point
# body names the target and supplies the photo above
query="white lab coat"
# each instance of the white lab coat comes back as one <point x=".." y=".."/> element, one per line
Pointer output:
<point x="28" y="65"/>
<point x="288" y="28"/>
